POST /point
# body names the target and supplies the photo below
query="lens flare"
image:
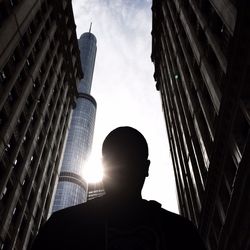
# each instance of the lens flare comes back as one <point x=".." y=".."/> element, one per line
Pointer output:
<point x="93" y="170"/>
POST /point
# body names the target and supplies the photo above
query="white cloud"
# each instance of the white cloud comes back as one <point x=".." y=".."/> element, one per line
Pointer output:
<point x="123" y="84"/>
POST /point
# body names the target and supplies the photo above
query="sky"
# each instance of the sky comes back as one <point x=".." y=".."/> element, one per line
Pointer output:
<point x="123" y="85"/>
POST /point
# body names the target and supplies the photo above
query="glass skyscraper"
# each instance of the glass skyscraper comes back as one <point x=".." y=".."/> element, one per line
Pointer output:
<point x="72" y="188"/>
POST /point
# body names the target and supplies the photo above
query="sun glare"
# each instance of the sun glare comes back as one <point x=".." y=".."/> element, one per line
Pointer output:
<point x="93" y="171"/>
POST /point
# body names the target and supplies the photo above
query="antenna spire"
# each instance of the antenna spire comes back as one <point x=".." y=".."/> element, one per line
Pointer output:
<point x="90" y="27"/>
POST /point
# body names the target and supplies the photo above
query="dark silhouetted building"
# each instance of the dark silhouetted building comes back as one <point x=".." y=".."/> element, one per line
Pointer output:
<point x="72" y="188"/>
<point x="39" y="69"/>
<point x="201" y="54"/>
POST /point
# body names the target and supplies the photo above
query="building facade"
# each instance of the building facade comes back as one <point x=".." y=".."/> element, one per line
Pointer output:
<point x="95" y="190"/>
<point x="201" y="54"/>
<point x="72" y="189"/>
<point x="39" y="69"/>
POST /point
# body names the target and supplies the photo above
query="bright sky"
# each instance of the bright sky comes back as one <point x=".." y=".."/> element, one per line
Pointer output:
<point x="123" y="85"/>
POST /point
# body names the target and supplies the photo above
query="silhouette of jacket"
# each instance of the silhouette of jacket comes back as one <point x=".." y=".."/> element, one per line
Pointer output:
<point x="97" y="224"/>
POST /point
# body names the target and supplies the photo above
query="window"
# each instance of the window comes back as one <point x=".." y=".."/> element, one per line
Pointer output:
<point x="215" y="65"/>
<point x="17" y="54"/>
<point x="3" y="12"/>
<point x="44" y="7"/>
<point x="241" y="131"/>
<point x="3" y="117"/>
<point x="22" y="77"/>
<point x="224" y="194"/>
<point x="2" y="77"/>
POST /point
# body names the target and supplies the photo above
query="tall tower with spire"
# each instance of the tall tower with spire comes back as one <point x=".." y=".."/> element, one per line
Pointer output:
<point x="72" y="188"/>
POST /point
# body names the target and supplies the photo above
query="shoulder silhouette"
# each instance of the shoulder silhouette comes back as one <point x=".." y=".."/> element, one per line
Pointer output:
<point x="121" y="219"/>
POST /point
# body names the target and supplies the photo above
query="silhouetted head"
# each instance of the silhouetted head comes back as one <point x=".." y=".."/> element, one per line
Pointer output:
<point x="125" y="160"/>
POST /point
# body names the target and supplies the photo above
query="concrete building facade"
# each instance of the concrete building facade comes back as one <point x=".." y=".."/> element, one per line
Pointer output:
<point x="201" y="54"/>
<point x="39" y="69"/>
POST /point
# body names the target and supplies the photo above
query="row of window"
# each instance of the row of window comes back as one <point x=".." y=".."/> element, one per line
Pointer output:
<point x="186" y="184"/>
<point x="180" y="158"/>
<point x="239" y="138"/>
<point x="188" y="87"/>
<point x="200" y="116"/>
<point x="32" y="127"/>
<point x="27" y="182"/>
<point x="36" y="103"/>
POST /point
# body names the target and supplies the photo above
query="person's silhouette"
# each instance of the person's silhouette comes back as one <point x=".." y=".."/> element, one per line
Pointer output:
<point x="121" y="219"/>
